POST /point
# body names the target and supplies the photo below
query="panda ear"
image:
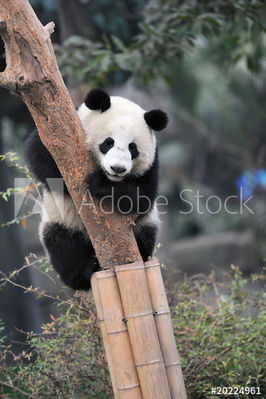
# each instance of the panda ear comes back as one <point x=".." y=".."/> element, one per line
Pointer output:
<point x="156" y="119"/>
<point x="98" y="99"/>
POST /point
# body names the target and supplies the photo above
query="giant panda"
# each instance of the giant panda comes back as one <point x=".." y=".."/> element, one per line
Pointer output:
<point x="119" y="136"/>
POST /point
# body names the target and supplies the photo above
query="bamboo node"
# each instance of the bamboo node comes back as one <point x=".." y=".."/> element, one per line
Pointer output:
<point x="172" y="364"/>
<point x="105" y="273"/>
<point x="129" y="266"/>
<point x="149" y="363"/>
<point x="117" y="331"/>
<point x="152" y="263"/>
<point x="132" y="316"/>
<point x="161" y="313"/>
<point x="127" y="388"/>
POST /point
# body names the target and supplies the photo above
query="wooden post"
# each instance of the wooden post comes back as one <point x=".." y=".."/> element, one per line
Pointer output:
<point x="165" y="329"/>
<point x="33" y="74"/>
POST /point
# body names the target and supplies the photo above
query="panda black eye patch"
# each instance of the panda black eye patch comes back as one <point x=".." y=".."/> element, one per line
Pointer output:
<point x="106" y="145"/>
<point x="133" y="148"/>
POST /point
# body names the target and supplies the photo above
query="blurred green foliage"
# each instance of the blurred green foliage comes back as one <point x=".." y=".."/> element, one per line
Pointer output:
<point x="218" y="324"/>
<point x="218" y="132"/>
<point x="168" y="30"/>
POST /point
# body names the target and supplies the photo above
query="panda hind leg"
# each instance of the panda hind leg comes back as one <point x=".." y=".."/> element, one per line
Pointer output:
<point x="71" y="255"/>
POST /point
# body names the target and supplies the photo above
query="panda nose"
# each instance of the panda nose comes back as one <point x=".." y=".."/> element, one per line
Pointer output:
<point x="118" y="169"/>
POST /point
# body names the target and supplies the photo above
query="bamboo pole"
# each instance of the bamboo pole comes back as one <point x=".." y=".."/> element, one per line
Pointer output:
<point x="165" y="329"/>
<point x="116" y="340"/>
<point x="106" y="343"/>
<point x="143" y="336"/>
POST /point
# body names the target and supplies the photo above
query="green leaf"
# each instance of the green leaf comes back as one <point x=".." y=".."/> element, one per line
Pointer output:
<point x="119" y="44"/>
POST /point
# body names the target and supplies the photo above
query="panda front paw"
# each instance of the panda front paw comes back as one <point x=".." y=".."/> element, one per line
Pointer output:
<point x="96" y="184"/>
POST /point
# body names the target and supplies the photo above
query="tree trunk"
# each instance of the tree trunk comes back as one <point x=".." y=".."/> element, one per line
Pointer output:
<point x="32" y="72"/>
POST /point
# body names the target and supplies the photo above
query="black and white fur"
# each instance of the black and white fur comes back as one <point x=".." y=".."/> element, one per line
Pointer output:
<point x="119" y="136"/>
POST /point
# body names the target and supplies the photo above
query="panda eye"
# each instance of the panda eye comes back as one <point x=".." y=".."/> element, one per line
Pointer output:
<point x="109" y="141"/>
<point x="133" y="150"/>
<point x="106" y="145"/>
<point x="132" y="146"/>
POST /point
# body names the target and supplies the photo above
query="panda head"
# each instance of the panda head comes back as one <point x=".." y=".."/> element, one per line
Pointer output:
<point x="119" y="134"/>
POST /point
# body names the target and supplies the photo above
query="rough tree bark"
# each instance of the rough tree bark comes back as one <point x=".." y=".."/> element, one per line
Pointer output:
<point x="32" y="73"/>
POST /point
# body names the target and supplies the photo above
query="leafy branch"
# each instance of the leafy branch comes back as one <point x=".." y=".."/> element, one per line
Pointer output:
<point x="169" y="30"/>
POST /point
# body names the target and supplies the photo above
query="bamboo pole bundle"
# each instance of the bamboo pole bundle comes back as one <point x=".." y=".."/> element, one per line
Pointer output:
<point x="143" y="336"/>
<point x="115" y="335"/>
<point x="165" y="329"/>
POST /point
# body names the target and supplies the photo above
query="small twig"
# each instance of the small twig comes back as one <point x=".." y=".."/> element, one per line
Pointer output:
<point x="18" y="390"/>
<point x="41" y="293"/>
